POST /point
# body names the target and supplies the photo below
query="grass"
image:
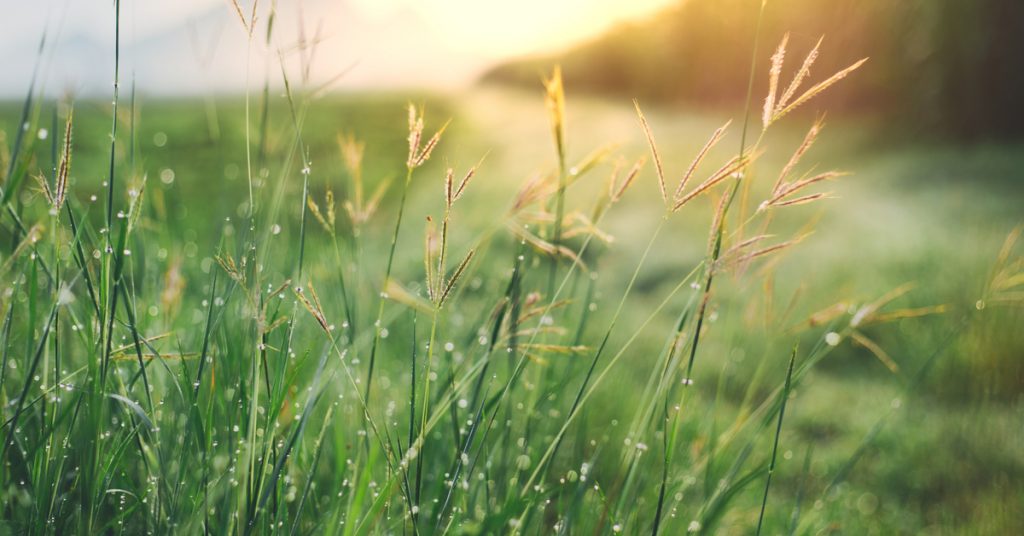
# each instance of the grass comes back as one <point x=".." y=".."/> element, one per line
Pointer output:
<point x="241" y="340"/>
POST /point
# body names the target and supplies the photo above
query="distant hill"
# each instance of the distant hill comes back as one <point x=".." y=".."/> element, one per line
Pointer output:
<point x="948" y="66"/>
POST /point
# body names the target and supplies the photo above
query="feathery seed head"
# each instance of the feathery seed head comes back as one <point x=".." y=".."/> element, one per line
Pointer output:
<point x="654" y="151"/>
<point x="554" y="98"/>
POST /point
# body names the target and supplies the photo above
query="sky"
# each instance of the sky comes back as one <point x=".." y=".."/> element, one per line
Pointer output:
<point x="188" y="47"/>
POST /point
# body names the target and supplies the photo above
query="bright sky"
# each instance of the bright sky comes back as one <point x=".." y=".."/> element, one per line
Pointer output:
<point x="190" y="46"/>
<point x="503" y="27"/>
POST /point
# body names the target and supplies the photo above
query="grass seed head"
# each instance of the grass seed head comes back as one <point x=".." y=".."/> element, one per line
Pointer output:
<point x="64" y="169"/>
<point x="313" y="306"/>
<point x="654" y="151"/>
<point x="314" y="208"/>
<point x="450" y="285"/>
<point x="419" y="155"/>
<point x="712" y="141"/>
<point x="731" y="168"/>
<point x="804" y="72"/>
<point x="809" y="139"/>
<point x="773" y="111"/>
<point x="554" y="99"/>
<point x="628" y="180"/>
<point x="816" y="89"/>
<point x="773" y="81"/>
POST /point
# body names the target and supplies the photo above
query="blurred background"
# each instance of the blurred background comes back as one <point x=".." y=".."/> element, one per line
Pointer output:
<point x="945" y="67"/>
<point x="932" y="129"/>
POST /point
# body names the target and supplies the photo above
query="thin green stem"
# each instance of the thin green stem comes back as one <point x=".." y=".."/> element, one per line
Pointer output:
<point x="377" y="327"/>
<point x="775" y="446"/>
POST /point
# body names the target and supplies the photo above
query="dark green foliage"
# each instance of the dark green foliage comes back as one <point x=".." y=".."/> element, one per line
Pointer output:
<point x="951" y="66"/>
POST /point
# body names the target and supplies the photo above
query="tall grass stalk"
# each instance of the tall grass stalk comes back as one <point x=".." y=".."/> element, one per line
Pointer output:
<point x="775" y="444"/>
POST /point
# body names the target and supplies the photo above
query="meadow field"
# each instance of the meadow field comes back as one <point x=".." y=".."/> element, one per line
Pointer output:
<point x="500" y="311"/>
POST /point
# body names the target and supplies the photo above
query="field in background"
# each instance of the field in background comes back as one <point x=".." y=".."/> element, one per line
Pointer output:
<point x="946" y="452"/>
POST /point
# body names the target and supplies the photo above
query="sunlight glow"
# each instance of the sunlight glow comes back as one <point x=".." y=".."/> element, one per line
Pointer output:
<point x="503" y="29"/>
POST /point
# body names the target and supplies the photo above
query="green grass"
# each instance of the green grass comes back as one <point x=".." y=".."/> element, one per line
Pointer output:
<point x="555" y="404"/>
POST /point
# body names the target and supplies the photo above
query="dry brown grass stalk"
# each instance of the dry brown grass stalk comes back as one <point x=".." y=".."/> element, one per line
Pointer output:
<point x="735" y="165"/>
<point x="773" y="80"/>
<point x="742" y="259"/>
<point x="809" y="139"/>
<point x="911" y="312"/>
<point x="712" y="141"/>
<point x="314" y="208"/>
<point x="817" y="88"/>
<point x="352" y="152"/>
<point x="313" y="306"/>
<point x="801" y="200"/>
<point x="654" y="151"/>
<point x="804" y="72"/>
<point x="418" y="154"/>
<point x="773" y="111"/>
<point x="589" y="162"/>
<point x="618" y="192"/>
<point x="249" y="25"/>
<point x="783" y="197"/>
<point x="227" y="262"/>
<point x="1004" y="287"/>
<point x="875" y="349"/>
<point x="543" y="246"/>
<point x="554" y="99"/>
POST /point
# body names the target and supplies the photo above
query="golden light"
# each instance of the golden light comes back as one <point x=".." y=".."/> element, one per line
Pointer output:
<point x="501" y="28"/>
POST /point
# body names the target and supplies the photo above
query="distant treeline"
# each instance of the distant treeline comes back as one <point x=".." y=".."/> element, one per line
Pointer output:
<point x="954" y="67"/>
